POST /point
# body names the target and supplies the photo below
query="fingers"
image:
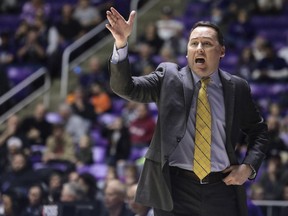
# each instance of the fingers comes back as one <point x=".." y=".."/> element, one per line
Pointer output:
<point x="132" y="17"/>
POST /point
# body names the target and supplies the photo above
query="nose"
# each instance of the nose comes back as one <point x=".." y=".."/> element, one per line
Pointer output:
<point x="200" y="47"/>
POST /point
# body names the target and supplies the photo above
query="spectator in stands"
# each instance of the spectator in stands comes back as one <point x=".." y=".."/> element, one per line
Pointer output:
<point x="167" y="25"/>
<point x="95" y="73"/>
<point x="283" y="52"/>
<point x="241" y="31"/>
<point x="142" y="128"/>
<point x="266" y="7"/>
<point x="7" y="50"/>
<point x="33" y="8"/>
<point x="246" y="63"/>
<point x="81" y="105"/>
<point x="20" y="177"/>
<point x="36" y="201"/>
<point x="10" y="129"/>
<point x="55" y="180"/>
<point x="131" y="174"/>
<point x="11" y="205"/>
<point x="119" y="141"/>
<point x="84" y="153"/>
<point x="272" y="180"/>
<point x="9" y="6"/>
<point x="284" y="131"/>
<point x="21" y="32"/>
<point x="151" y="37"/>
<point x="271" y="67"/>
<point x="35" y="127"/>
<point x="137" y="208"/>
<point x="166" y="55"/>
<point x="75" y="125"/>
<point x="129" y="112"/>
<point x="32" y="51"/>
<point x="114" y="199"/>
<point x="87" y="15"/>
<point x="14" y="147"/>
<point x="276" y="143"/>
<point x="177" y="44"/>
<point x="68" y="28"/>
<point x="71" y="192"/>
<point x="258" y="47"/>
<point x="59" y="146"/>
<point x="100" y="99"/>
<point x="7" y="57"/>
<point x="144" y="60"/>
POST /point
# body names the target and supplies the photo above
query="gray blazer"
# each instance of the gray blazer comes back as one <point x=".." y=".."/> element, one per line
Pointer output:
<point x="169" y="86"/>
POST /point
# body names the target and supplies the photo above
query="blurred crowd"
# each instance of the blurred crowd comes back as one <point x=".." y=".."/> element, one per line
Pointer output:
<point x="89" y="150"/>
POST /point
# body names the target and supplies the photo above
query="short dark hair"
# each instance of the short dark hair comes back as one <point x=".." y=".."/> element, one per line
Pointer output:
<point x="220" y="36"/>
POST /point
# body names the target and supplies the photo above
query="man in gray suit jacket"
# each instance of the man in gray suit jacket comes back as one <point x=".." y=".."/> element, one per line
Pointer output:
<point x="168" y="182"/>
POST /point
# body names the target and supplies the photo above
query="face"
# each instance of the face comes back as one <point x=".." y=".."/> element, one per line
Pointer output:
<point x="34" y="195"/>
<point x="204" y="51"/>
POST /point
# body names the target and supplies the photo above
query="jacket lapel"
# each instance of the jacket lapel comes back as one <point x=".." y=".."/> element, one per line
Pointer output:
<point x="188" y="89"/>
<point x="229" y="100"/>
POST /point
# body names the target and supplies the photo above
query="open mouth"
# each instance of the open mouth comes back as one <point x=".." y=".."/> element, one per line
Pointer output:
<point x="200" y="60"/>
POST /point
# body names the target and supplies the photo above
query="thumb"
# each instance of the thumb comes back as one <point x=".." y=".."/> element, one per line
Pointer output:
<point x="228" y="169"/>
<point x="131" y="17"/>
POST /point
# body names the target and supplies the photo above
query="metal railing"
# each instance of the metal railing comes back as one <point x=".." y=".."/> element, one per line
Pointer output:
<point x="270" y="204"/>
<point x="42" y="72"/>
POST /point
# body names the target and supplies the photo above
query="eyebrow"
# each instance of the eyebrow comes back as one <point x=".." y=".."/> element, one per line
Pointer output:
<point x="194" y="38"/>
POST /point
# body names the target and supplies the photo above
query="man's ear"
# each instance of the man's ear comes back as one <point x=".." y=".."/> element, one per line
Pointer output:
<point x="222" y="51"/>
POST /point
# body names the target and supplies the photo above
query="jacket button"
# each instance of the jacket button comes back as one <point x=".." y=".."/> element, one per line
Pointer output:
<point x="178" y="140"/>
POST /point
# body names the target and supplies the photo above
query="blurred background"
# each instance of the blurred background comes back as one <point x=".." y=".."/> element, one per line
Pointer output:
<point x="67" y="141"/>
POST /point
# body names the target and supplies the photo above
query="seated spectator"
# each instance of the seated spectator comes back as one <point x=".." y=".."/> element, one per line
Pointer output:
<point x="246" y="64"/>
<point x="9" y="6"/>
<point x="20" y="177"/>
<point x="114" y="199"/>
<point x="10" y="129"/>
<point x="137" y="208"/>
<point x="7" y="50"/>
<point x="241" y="31"/>
<point x="68" y="28"/>
<point x="271" y="67"/>
<point x="33" y="8"/>
<point x="142" y="128"/>
<point x="144" y="60"/>
<point x="84" y="153"/>
<point x="267" y="7"/>
<point x="35" y="201"/>
<point x="131" y="174"/>
<point x="276" y="143"/>
<point x="55" y="181"/>
<point x="75" y="125"/>
<point x="167" y="25"/>
<point x="21" y="33"/>
<point x="87" y="15"/>
<point x="35" y="127"/>
<point x="32" y="51"/>
<point x="272" y="180"/>
<point x="100" y="99"/>
<point x="258" y="47"/>
<point x="59" y="146"/>
<point x="95" y="73"/>
<point x="11" y="205"/>
<point x="118" y="141"/>
<point x="151" y="37"/>
<point x="81" y="106"/>
<point x="71" y="192"/>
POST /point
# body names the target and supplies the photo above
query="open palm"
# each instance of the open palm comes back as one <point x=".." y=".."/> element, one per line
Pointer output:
<point x="119" y="27"/>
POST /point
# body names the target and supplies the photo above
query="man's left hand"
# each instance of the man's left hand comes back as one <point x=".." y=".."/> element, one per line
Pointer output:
<point x="238" y="174"/>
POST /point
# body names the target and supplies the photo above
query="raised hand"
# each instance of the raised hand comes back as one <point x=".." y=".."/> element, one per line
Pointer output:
<point x="119" y="27"/>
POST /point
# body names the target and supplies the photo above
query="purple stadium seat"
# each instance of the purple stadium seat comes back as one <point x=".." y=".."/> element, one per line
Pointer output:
<point x="99" y="154"/>
<point x="99" y="171"/>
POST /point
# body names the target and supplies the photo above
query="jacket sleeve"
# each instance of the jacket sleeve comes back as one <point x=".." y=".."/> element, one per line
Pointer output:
<point x="144" y="89"/>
